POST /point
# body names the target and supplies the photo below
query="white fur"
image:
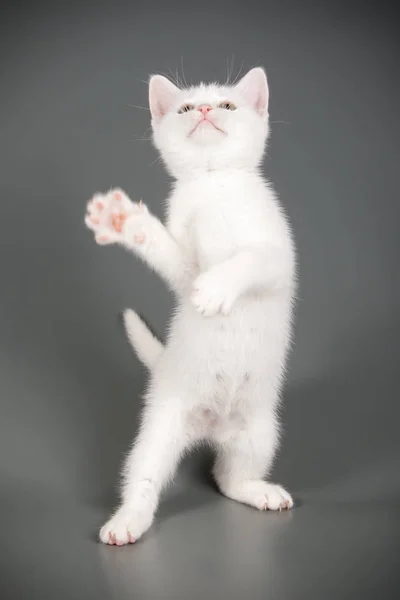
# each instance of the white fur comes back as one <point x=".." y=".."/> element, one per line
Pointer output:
<point x="227" y="252"/>
<point x="147" y="347"/>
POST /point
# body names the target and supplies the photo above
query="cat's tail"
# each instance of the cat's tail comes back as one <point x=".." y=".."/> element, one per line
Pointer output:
<point x="147" y="347"/>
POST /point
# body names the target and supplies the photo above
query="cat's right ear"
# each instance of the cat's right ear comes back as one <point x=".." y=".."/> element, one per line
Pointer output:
<point x="254" y="87"/>
<point x="162" y="93"/>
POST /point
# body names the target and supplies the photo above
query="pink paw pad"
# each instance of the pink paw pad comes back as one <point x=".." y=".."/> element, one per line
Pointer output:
<point x="117" y="196"/>
<point x="102" y="238"/>
<point x="139" y="238"/>
<point x="118" y="221"/>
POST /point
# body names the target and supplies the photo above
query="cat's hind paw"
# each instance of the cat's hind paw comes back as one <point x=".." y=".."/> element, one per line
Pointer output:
<point x="260" y="494"/>
<point x="126" y="526"/>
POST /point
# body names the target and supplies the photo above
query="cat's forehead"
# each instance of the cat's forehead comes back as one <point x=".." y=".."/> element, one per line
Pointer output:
<point x="207" y="93"/>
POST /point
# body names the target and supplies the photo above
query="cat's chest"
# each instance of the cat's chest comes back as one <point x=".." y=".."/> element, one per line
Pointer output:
<point x="215" y="230"/>
<point x="208" y="220"/>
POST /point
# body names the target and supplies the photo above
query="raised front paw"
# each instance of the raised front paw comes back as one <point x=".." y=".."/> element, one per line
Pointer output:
<point x="211" y="295"/>
<point x="107" y="215"/>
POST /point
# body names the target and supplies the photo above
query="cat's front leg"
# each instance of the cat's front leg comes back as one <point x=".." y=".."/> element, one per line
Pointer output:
<point x="114" y="218"/>
<point x="213" y="294"/>
<point x="216" y="290"/>
<point x="259" y="269"/>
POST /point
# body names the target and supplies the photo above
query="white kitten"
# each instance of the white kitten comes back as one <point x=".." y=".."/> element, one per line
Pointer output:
<point x="227" y="252"/>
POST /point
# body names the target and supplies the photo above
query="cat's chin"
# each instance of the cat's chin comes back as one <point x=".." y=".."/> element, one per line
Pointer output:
<point x="206" y="125"/>
<point x="207" y="134"/>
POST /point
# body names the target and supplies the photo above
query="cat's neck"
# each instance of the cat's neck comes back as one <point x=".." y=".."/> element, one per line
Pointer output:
<point x="202" y="173"/>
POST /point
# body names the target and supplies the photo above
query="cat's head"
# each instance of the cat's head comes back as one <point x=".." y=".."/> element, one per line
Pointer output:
<point x="210" y="126"/>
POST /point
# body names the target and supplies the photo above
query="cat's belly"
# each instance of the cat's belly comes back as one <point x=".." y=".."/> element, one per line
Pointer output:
<point x="224" y="409"/>
<point x="205" y="422"/>
<point x="204" y="354"/>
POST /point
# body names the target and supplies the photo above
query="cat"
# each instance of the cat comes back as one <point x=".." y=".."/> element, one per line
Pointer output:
<point x="228" y="253"/>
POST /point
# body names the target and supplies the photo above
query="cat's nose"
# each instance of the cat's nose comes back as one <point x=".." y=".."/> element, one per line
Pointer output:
<point x="204" y="108"/>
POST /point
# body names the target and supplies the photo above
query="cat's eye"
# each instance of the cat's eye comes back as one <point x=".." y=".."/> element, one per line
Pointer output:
<point x="227" y="105"/>
<point x="185" y="108"/>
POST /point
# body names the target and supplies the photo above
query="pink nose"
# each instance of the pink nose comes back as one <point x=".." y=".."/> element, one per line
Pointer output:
<point x="204" y="108"/>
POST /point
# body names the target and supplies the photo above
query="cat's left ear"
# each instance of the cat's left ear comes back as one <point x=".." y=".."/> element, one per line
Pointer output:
<point x="254" y="87"/>
<point x="162" y="93"/>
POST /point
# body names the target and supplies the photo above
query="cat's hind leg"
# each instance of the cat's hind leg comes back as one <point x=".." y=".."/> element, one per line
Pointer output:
<point x="245" y="459"/>
<point x="150" y="465"/>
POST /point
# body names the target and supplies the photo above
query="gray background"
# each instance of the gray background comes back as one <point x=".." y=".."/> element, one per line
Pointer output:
<point x="70" y="385"/>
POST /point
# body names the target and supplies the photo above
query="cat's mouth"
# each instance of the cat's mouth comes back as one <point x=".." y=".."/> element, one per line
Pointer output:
<point x="205" y="122"/>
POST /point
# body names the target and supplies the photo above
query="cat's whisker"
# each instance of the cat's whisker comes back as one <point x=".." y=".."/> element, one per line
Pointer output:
<point x="158" y="160"/>
<point x="141" y="139"/>
<point x="174" y="78"/>
<point x="238" y="74"/>
<point x="229" y="69"/>
<point x="141" y="107"/>
<point x="144" y="136"/>
<point x="183" y="74"/>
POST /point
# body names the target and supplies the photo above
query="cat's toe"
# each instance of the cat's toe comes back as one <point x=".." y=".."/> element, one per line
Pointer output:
<point x="126" y="527"/>
<point x="204" y="304"/>
<point x="277" y="498"/>
<point x="94" y="212"/>
<point x="207" y="300"/>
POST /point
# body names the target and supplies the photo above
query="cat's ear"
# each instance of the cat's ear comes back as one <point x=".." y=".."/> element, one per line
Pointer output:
<point x="254" y="88"/>
<point x="162" y="93"/>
